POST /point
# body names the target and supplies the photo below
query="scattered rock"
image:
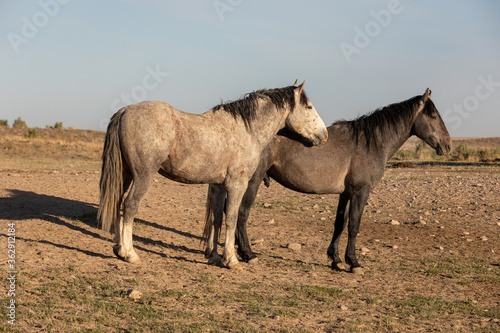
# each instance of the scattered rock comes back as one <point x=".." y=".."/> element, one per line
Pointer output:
<point x="394" y="222"/>
<point x="498" y="224"/>
<point x="466" y="233"/>
<point x="267" y="205"/>
<point x="427" y="213"/>
<point x="323" y="219"/>
<point x="440" y="248"/>
<point x="364" y="250"/>
<point x="257" y="241"/>
<point x="469" y="239"/>
<point x="271" y="221"/>
<point x="421" y="221"/>
<point x="343" y="308"/>
<point x="134" y="295"/>
<point x="394" y="247"/>
<point x="294" y="246"/>
<point x="484" y="238"/>
<point x="316" y="206"/>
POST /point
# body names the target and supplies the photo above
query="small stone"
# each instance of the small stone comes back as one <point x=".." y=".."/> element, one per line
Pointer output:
<point x="271" y="221"/>
<point x="394" y="222"/>
<point x="441" y="227"/>
<point x="440" y="248"/>
<point x="294" y="246"/>
<point x="316" y="206"/>
<point x="134" y="295"/>
<point x="421" y="221"/>
<point x="343" y="308"/>
<point x="266" y="205"/>
<point x="258" y="241"/>
<point x="427" y="213"/>
<point x="498" y="224"/>
<point x="469" y="239"/>
<point x="466" y="233"/>
<point x="394" y="247"/>
<point x="365" y="250"/>
<point x="323" y="219"/>
<point x="484" y="238"/>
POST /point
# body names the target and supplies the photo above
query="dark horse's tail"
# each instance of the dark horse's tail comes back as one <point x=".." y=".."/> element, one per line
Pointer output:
<point x="111" y="183"/>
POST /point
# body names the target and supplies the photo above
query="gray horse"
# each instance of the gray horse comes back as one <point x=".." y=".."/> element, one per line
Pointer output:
<point x="221" y="146"/>
<point x="351" y="163"/>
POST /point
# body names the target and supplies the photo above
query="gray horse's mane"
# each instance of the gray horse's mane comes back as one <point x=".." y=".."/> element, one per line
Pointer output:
<point x="246" y="107"/>
<point x="394" y="117"/>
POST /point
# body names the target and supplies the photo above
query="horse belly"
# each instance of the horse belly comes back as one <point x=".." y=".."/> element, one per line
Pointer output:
<point x="192" y="171"/>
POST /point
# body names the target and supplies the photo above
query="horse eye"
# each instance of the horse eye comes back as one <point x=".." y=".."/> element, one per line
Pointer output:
<point x="309" y="107"/>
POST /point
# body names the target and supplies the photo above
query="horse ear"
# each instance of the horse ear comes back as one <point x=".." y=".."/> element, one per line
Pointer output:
<point x="427" y="94"/>
<point x="301" y="87"/>
<point x="296" y="83"/>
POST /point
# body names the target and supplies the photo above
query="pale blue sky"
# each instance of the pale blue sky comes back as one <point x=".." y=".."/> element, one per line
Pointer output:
<point x="79" y="61"/>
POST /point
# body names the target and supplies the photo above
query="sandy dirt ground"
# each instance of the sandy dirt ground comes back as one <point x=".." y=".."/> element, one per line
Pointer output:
<point x="435" y="270"/>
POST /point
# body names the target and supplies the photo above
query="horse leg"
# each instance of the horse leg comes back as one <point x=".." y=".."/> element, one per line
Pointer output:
<point x="358" y="202"/>
<point x="340" y="223"/>
<point x="118" y="226"/>
<point x="234" y="195"/>
<point x="244" y="249"/>
<point x="217" y="201"/>
<point x="125" y="249"/>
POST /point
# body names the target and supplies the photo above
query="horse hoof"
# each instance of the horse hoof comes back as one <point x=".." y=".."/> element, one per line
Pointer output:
<point x="338" y="266"/>
<point x="214" y="261"/>
<point x="236" y="267"/>
<point x="132" y="258"/>
<point x="254" y="261"/>
<point x="357" y="270"/>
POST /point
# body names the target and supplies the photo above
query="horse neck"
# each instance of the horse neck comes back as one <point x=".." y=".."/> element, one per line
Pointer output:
<point x="269" y="120"/>
<point x="394" y="139"/>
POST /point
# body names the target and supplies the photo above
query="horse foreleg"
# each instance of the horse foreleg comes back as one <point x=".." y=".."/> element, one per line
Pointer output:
<point x="234" y="195"/>
<point x="340" y="223"/>
<point x="125" y="249"/>
<point x="358" y="202"/>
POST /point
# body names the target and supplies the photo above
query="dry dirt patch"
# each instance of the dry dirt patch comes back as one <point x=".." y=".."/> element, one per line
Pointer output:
<point x="435" y="275"/>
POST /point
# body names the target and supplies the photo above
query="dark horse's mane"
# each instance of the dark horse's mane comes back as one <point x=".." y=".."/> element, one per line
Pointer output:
<point x="393" y="117"/>
<point x="246" y="107"/>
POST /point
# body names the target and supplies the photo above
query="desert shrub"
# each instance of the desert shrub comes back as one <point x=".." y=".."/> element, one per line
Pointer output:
<point x="33" y="133"/>
<point x="404" y="155"/>
<point x="4" y="123"/>
<point x="58" y="125"/>
<point x="19" y="123"/>
<point x="420" y="149"/>
<point x="462" y="153"/>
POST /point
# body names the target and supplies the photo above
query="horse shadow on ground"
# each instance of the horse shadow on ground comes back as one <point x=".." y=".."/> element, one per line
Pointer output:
<point x="25" y="205"/>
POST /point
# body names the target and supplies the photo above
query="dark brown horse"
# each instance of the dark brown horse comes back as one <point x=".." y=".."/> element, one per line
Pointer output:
<point x="221" y="146"/>
<point x="351" y="163"/>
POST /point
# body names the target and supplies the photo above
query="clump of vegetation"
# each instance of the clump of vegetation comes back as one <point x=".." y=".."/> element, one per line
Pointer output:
<point x="58" y="125"/>
<point x="19" y="123"/>
<point x="4" y="123"/>
<point x="463" y="153"/>
<point x="420" y="150"/>
<point x="33" y="133"/>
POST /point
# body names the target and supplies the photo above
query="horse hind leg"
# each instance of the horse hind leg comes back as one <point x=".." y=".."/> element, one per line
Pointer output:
<point x="125" y="249"/>
<point x="216" y="203"/>
<point x="118" y="225"/>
